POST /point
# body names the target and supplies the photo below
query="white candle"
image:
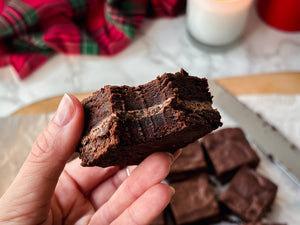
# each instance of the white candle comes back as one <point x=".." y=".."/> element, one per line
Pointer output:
<point x="217" y="22"/>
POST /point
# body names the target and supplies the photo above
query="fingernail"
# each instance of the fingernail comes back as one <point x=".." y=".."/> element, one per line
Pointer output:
<point x="65" y="111"/>
<point x="172" y="189"/>
<point x="171" y="156"/>
<point x="177" y="153"/>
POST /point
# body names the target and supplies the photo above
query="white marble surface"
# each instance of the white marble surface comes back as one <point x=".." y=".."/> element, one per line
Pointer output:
<point x="161" y="45"/>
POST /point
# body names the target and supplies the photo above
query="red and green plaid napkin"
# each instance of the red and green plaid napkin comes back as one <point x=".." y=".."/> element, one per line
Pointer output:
<point x="32" y="30"/>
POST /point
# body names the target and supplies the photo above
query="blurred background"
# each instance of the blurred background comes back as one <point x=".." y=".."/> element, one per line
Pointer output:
<point x="54" y="47"/>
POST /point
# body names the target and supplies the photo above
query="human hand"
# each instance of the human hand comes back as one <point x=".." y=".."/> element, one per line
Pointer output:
<point x="45" y="191"/>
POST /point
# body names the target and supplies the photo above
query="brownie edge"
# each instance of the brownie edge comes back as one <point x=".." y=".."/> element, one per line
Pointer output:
<point x="249" y="195"/>
<point x="123" y="125"/>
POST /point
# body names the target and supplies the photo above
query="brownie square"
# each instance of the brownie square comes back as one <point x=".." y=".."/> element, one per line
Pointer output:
<point x="190" y="162"/>
<point x="228" y="150"/>
<point x="194" y="200"/>
<point x="123" y="125"/>
<point x="249" y="194"/>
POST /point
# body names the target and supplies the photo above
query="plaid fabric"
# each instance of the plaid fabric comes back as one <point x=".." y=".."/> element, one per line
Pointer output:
<point x="32" y="30"/>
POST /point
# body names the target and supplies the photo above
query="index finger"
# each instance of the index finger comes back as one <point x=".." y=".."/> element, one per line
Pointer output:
<point x="149" y="173"/>
<point x="87" y="178"/>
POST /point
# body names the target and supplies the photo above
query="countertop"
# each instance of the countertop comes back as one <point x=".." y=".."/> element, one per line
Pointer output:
<point x="161" y="45"/>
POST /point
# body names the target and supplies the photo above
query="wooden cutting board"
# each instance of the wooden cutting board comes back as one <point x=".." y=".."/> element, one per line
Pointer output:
<point x="280" y="83"/>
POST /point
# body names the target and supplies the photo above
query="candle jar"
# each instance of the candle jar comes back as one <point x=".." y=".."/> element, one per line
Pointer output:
<point x="217" y="22"/>
<point x="280" y="14"/>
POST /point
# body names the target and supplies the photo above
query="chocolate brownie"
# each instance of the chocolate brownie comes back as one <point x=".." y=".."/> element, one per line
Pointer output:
<point x="228" y="150"/>
<point x="160" y="220"/>
<point x="249" y="194"/>
<point x="126" y="124"/>
<point x="190" y="162"/>
<point x="194" y="200"/>
<point x="262" y="223"/>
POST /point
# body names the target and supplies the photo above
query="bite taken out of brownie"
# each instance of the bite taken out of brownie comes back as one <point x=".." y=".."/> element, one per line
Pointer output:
<point x="123" y="125"/>
<point x="228" y="150"/>
<point x="249" y="195"/>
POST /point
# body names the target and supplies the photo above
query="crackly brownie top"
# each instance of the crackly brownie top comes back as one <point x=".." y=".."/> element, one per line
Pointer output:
<point x="249" y="194"/>
<point x="228" y="149"/>
<point x="194" y="200"/>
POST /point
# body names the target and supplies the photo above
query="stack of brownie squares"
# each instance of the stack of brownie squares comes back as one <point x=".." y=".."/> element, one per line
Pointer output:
<point x="224" y="156"/>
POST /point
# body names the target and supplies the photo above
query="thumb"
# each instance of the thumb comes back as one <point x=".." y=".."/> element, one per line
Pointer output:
<point x="36" y="181"/>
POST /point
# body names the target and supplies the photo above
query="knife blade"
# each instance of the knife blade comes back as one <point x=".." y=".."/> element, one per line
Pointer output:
<point x="264" y="135"/>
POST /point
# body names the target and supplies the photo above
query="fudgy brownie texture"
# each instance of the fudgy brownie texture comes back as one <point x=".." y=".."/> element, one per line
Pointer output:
<point x="249" y="194"/>
<point x="228" y="150"/>
<point x="126" y="124"/>
<point x="262" y="223"/>
<point x="194" y="201"/>
<point x="190" y="162"/>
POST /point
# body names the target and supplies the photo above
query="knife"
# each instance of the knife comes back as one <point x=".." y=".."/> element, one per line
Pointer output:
<point x="265" y="136"/>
